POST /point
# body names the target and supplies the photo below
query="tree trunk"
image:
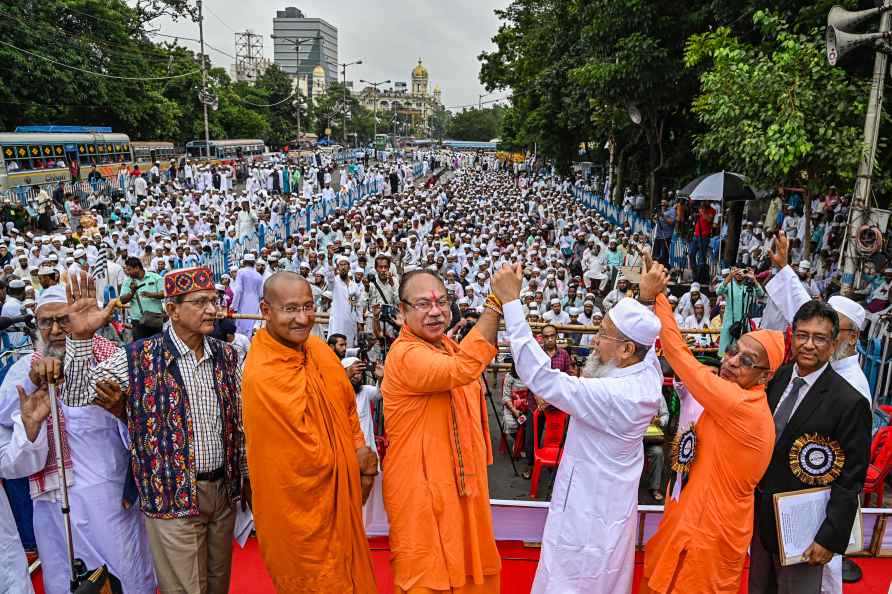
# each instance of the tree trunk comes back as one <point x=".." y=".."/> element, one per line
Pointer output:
<point x="732" y="243"/>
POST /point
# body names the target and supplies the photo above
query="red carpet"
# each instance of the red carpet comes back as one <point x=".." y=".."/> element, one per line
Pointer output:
<point x="518" y="568"/>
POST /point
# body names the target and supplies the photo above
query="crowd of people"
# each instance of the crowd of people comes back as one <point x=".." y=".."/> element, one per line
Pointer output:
<point x="362" y="337"/>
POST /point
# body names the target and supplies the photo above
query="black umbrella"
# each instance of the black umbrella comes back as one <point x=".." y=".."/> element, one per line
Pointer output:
<point x="722" y="186"/>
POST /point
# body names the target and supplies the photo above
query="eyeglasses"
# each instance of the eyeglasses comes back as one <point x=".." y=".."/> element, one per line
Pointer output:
<point x="744" y="359"/>
<point x="294" y="308"/>
<point x="820" y="341"/>
<point x="425" y="305"/>
<point x="47" y="323"/>
<point x="601" y="336"/>
<point x="204" y="302"/>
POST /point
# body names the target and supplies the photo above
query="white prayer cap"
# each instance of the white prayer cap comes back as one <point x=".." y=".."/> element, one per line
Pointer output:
<point x="225" y="277"/>
<point x="554" y="301"/>
<point x="348" y="361"/>
<point x="45" y="270"/>
<point x="54" y="294"/>
<point x="673" y="299"/>
<point x="695" y="287"/>
<point x="848" y="308"/>
<point x="340" y="259"/>
<point x="574" y="311"/>
<point x="249" y="257"/>
<point x="635" y="321"/>
<point x="463" y="301"/>
<point x="16" y="284"/>
<point x="804" y="265"/>
<point x="79" y="252"/>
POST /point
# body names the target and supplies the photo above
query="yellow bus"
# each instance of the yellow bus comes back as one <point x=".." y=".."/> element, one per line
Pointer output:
<point x="47" y="155"/>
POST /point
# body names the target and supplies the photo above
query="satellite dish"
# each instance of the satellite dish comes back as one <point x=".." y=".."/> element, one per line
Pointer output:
<point x="635" y="115"/>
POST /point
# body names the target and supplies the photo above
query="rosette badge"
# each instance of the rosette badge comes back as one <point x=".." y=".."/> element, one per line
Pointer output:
<point x="684" y="450"/>
<point x="816" y="460"/>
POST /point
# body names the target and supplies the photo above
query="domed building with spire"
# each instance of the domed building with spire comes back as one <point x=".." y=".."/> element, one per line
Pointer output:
<point x="413" y="106"/>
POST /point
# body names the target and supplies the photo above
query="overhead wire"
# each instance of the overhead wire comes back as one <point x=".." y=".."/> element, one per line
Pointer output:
<point x="100" y="74"/>
<point x="213" y="14"/>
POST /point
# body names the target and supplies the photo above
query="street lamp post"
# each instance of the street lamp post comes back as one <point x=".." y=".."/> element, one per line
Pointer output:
<point x="296" y="43"/>
<point x="344" y="66"/>
<point x="375" y="85"/>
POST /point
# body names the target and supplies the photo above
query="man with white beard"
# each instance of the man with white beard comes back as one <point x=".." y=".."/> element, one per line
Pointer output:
<point x="104" y="532"/>
<point x="589" y="541"/>
<point x="788" y="292"/>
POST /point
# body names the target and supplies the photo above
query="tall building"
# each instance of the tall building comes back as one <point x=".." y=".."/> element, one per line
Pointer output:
<point x="415" y="105"/>
<point x="290" y="25"/>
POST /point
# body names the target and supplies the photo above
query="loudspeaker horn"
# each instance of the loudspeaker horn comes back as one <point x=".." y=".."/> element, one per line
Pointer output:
<point x="839" y="43"/>
<point x="845" y="20"/>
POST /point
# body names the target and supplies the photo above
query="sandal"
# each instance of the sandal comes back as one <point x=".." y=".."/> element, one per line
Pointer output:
<point x="526" y="475"/>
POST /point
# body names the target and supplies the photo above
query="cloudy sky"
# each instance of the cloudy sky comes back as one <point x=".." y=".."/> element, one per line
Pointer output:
<point x="389" y="36"/>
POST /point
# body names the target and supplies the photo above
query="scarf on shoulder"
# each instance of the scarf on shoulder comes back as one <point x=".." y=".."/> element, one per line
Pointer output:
<point x="49" y="479"/>
<point x="461" y="421"/>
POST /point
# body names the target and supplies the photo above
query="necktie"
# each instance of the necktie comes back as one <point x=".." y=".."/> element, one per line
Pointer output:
<point x="785" y="409"/>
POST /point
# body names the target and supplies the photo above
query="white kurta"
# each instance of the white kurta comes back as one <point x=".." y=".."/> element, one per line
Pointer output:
<point x="588" y="546"/>
<point x="104" y="532"/>
<point x="788" y="294"/>
<point x="14" y="575"/>
<point x="343" y="315"/>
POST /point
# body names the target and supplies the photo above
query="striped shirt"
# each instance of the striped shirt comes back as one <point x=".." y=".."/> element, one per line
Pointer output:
<point x="81" y="375"/>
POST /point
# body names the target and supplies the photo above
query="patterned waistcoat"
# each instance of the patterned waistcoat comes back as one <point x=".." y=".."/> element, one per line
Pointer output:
<point x="159" y="419"/>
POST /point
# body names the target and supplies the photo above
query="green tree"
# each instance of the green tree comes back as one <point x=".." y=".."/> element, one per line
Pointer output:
<point x="475" y="124"/>
<point x="330" y="110"/>
<point x="776" y="111"/>
<point x="277" y="89"/>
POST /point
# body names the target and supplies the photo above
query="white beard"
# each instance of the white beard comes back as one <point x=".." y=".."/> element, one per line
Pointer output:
<point x="842" y="351"/>
<point x="594" y="368"/>
<point x="46" y="350"/>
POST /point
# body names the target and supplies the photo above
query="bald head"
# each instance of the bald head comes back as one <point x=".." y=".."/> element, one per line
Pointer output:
<point x="283" y="283"/>
<point x="288" y="308"/>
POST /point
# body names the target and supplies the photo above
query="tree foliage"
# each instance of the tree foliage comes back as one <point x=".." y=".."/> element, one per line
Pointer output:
<point x="114" y="38"/>
<point x="777" y="111"/>
<point x="737" y="84"/>
<point x="475" y="124"/>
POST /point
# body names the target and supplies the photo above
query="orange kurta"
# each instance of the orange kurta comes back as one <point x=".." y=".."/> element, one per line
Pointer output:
<point x="712" y="523"/>
<point x="437" y="426"/>
<point x="302" y="432"/>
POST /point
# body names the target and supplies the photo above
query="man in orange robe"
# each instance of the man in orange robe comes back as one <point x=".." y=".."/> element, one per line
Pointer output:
<point x="306" y="451"/>
<point x="435" y="484"/>
<point x="703" y="538"/>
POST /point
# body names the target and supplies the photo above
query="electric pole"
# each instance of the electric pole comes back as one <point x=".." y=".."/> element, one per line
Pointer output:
<point x="204" y="82"/>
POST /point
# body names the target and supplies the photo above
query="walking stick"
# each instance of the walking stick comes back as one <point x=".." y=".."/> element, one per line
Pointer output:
<point x="63" y="484"/>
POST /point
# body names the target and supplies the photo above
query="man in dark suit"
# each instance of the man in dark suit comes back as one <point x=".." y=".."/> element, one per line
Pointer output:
<point x="818" y="418"/>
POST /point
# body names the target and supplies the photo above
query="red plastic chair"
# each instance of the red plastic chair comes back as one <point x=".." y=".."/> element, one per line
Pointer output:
<point x="517" y="450"/>
<point x="547" y="455"/>
<point x="880" y="465"/>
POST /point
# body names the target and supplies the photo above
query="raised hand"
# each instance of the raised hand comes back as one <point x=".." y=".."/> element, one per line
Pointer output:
<point x="84" y="315"/>
<point x="780" y="250"/>
<point x="654" y="279"/>
<point x="35" y="409"/>
<point x="506" y="283"/>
